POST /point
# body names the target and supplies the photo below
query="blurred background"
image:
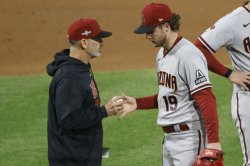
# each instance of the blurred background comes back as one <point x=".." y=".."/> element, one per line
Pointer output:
<point x="33" y="31"/>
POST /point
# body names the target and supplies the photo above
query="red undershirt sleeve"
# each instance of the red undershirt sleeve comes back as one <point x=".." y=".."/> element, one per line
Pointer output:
<point x="213" y="64"/>
<point x="149" y="102"/>
<point x="207" y="104"/>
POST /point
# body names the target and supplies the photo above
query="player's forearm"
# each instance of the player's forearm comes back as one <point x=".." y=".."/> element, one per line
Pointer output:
<point x="207" y="103"/>
<point x="149" y="102"/>
<point x="213" y="64"/>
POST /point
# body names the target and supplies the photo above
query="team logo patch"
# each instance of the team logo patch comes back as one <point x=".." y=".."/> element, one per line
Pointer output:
<point x="200" y="77"/>
<point x="93" y="88"/>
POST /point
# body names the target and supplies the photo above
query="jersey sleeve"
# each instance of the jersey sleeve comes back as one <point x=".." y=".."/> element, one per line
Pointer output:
<point x="206" y="102"/>
<point x="72" y="110"/>
<point x="149" y="102"/>
<point x="193" y="71"/>
<point x="219" y="35"/>
<point x="213" y="64"/>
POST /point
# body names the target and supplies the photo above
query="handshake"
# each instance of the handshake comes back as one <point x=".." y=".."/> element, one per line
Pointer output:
<point x="120" y="106"/>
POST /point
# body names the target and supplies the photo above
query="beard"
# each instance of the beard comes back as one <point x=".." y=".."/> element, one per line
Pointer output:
<point x="94" y="54"/>
<point x="160" y="43"/>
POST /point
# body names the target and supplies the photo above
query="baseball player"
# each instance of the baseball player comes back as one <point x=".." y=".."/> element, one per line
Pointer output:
<point x="233" y="32"/>
<point x="187" y="106"/>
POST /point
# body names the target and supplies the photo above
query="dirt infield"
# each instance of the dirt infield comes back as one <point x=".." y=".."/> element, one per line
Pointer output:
<point x="32" y="31"/>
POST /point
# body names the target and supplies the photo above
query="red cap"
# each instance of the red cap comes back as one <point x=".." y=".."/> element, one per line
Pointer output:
<point x="86" y="29"/>
<point x="152" y="15"/>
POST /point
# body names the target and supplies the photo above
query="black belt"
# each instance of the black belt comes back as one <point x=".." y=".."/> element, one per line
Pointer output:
<point x="171" y="129"/>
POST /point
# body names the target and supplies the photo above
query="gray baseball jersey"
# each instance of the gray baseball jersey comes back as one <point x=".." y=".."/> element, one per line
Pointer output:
<point x="233" y="32"/>
<point x="182" y="72"/>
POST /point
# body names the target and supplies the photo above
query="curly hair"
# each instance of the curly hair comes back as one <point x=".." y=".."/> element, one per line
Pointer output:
<point x="174" y="22"/>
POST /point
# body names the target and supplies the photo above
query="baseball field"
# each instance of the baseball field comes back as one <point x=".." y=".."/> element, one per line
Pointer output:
<point x="32" y="31"/>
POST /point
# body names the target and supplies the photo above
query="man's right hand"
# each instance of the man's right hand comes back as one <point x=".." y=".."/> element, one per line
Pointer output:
<point x="240" y="78"/>
<point x="114" y="105"/>
<point x="129" y="105"/>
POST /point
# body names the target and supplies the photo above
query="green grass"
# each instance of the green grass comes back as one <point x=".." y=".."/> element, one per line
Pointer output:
<point x="133" y="141"/>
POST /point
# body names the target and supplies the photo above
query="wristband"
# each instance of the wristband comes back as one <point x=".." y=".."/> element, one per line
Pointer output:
<point x="228" y="73"/>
